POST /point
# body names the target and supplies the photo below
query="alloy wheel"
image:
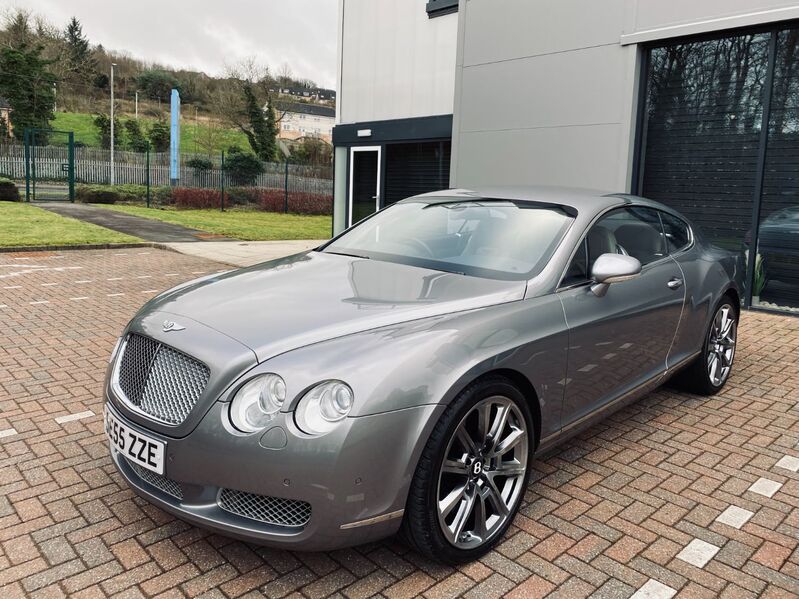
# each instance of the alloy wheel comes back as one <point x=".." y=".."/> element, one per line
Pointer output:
<point x="482" y="475"/>
<point x="721" y="345"/>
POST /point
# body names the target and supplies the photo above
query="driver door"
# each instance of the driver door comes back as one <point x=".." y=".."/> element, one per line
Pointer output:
<point x="620" y="341"/>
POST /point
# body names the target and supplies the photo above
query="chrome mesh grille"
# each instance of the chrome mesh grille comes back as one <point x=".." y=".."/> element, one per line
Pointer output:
<point x="168" y="486"/>
<point x="160" y="381"/>
<point x="270" y="510"/>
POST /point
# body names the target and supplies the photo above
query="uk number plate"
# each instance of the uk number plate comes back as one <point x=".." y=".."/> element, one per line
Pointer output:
<point x="136" y="447"/>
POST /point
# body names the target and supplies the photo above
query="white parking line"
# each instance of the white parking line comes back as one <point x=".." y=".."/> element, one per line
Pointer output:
<point x="83" y="282"/>
<point x="151" y="291"/>
<point x="77" y="299"/>
<point x="115" y="279"/>
<point x="121" y="254"/>
<point x="3" y="306"/>
<point x="48" y="284"/>
<point x="71" y="417"/>
<point x="144" y="253"/>
<point x="39" y="302"/>
<point x="172" y="274"/>
<point x="114" y="294"/>
<point x="145" y="277"/>
<point x="8" y="433"/>
<point x="13" y="287"/>
<point x="698" y="553"/>
<point x="198" y="272"/>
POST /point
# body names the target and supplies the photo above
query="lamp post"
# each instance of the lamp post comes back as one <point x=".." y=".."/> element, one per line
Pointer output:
<point x="113" y="64"/>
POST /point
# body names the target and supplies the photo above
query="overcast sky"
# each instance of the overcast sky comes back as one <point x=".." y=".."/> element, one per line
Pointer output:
<point x="206" y="35"/>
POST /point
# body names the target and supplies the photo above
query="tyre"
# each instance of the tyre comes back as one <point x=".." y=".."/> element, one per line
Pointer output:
<point x="472" y="474"/>
<point x="709" y="372"/>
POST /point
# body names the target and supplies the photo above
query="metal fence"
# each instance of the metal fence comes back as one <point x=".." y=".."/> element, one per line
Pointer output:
<point x="93" y="165"/>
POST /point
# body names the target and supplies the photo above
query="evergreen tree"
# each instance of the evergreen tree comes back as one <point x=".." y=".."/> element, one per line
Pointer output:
<point x="103" y="124"/>
<point x="261" y="134"/>
<point x="136" y="138"/>
<point x="28" y="86"/>
<point x="79" y="57"/>
<point x="159" y="136"/>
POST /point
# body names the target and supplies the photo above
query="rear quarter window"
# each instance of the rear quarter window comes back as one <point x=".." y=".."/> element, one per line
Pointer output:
<point x="677" y="231"/>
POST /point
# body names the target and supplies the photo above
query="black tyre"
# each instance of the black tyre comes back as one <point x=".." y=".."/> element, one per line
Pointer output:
<point x="711" y="370"/>
<point x="472" y="474"/>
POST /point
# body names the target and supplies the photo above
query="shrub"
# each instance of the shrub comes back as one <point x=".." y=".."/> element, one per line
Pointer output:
<point x="200" y="164"/>
<point x="189" y="197"/>
<point x="106" y="194"/>
<point x="243" y="167"/>
<point x="8" y="190"/>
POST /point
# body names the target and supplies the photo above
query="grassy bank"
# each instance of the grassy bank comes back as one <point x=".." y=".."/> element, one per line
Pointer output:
<point x="26" y="225"/>
<point x="249" y="225"/>
<point x="192" y="134"/>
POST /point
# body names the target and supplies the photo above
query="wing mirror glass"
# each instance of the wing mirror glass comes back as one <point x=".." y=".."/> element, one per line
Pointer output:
<point x="613" y="268"/>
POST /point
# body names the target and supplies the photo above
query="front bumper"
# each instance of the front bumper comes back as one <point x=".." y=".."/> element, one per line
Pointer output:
<point x="358" y="472"/>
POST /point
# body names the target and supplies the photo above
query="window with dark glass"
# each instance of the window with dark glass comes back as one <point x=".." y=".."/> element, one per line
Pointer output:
<point x="677" y="233"/>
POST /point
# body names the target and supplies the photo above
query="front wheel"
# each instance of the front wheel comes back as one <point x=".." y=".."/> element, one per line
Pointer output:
<point x="472" y="474"/>
<point x="712" y="368"/>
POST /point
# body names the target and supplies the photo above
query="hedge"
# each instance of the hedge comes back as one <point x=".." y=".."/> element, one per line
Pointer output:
<point x="107" y="194"/>
<point x="8" y="190"/>
<point x="270" y="200"/>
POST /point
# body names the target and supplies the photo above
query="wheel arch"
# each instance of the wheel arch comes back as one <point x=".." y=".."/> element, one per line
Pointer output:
<point x="522" y="383"/>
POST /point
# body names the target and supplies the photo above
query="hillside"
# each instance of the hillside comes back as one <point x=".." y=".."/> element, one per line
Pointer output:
<point x="195" y="137"/>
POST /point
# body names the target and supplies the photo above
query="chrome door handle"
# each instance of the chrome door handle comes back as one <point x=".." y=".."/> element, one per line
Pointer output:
<point x="674" y="283"/>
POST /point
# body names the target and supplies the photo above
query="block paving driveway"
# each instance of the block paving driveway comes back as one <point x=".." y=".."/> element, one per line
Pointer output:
<point x="675" y="495"/>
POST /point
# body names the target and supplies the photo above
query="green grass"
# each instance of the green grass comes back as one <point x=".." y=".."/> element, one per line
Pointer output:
<point x="26" y="225"/>
<point x="85" y="132"/>
<point x="248" y="225"/>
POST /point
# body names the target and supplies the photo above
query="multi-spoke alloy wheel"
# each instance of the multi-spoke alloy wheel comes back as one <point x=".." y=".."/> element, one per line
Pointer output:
<point x="472" y="473"/>
<point x="483" y="471"/>
<point x="707" y="373"/>
<point x="721" y="345"/>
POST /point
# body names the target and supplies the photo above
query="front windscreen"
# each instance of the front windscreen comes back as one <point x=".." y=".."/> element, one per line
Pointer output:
<point x="488" y="238"/>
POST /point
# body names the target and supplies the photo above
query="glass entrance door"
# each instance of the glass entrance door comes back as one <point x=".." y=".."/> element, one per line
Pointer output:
<point x="364" y="182"/>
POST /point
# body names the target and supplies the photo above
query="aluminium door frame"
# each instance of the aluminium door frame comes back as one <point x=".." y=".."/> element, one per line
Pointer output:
<point x="351" y="156"/>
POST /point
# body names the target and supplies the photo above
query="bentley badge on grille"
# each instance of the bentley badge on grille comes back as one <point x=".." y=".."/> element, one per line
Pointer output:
<point x="172" y="326"/>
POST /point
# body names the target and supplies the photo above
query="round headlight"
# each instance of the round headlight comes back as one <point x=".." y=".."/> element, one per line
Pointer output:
<point x="257" y="401"/>
<point x="323" y="407"/>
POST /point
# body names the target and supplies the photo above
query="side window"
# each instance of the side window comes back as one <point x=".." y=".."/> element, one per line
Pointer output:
<point x="677" y="232"/>
<point x="633" y="231"/>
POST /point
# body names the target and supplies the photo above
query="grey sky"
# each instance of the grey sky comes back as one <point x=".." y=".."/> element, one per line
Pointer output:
<point x="206" y="35"/>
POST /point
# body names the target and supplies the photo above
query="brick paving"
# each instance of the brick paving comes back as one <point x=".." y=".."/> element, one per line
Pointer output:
<point x="610" y="514"/>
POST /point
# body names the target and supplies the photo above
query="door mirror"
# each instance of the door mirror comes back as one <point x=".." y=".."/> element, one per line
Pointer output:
<point x="613" y="268"/>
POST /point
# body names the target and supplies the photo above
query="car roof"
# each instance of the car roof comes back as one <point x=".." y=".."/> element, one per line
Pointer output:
<point x="584" y="201"/>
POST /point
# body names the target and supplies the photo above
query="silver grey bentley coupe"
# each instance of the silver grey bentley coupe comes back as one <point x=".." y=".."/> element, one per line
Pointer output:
<point x="402" y="376"/>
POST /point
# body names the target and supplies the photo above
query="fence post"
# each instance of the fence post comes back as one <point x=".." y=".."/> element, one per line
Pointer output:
<point x="26" y="138"/>
<point x="286" y="189"/>
<point x="147" y="175"/>
<point x="71" y="161"/>
<point x="222" y="179"/>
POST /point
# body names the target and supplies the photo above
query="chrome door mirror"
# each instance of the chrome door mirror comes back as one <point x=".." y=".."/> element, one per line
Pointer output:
<point x="613" y="268"/>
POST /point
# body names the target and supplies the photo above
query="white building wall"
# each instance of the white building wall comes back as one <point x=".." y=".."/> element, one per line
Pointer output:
<point x="546" y="91"/>
<point x="395" y="62"/>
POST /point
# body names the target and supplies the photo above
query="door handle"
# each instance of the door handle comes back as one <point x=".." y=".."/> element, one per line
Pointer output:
<point x="674" y="283"/>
